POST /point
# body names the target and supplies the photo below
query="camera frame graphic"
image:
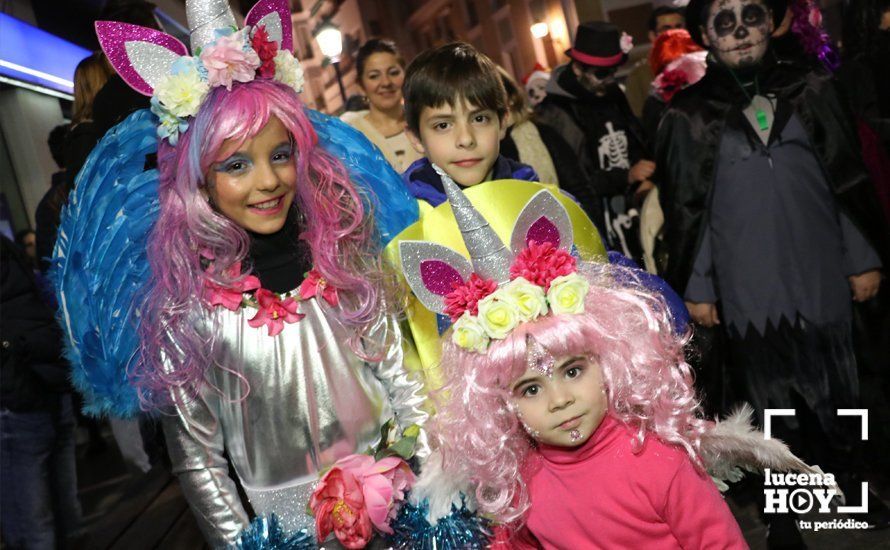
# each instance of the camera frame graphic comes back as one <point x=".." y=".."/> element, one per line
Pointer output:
<point x="768" y="415"/>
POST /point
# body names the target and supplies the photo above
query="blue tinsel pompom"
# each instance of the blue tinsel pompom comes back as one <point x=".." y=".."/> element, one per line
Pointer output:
<point x="461" y="529"/>
<point x="267" y="534"/>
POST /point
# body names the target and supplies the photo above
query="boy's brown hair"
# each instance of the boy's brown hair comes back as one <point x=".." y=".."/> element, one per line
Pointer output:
<point x="450" y="73"/>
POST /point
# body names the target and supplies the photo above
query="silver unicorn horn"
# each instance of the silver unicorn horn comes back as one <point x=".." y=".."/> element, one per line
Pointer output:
<point x="491" y="258"/>
<point x="204" y="17"/>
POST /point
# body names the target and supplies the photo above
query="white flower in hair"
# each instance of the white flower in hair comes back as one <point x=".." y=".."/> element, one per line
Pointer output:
<point x="498" y="317"/>
<point x="182" y="93"/>
<point x="288" y="70"/>
<point x="468" y="333"/>
<point x="528" y="298"/>
<point x="567" y="293"/>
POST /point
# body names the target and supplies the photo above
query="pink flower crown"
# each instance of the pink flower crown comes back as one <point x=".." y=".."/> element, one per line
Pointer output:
<point x="158" y="65"/>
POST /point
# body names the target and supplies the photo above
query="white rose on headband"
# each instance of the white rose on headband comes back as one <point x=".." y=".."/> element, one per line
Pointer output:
<point x="498" y="317"/>
<point x="288" y="70"/>
<point x="468" y="333"/>
<point x="567" y="293"/>
<point x="528" y="298"/>
<point x="181" y="94"/>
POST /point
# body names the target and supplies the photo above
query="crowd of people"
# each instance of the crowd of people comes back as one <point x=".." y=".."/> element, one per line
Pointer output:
<point x="510" y="289"/>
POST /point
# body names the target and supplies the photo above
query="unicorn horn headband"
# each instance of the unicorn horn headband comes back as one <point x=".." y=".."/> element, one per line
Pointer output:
<point x="204" y="18"/>
<point x="158" y="65"/>
<point x="491" y="258"/>
<point x="497" y="289"/>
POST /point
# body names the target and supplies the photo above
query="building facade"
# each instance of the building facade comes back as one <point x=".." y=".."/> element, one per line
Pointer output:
<point x="499" y="28"/>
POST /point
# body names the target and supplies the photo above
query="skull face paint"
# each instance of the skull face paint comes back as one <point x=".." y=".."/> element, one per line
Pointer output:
<point x="738" y="31"/>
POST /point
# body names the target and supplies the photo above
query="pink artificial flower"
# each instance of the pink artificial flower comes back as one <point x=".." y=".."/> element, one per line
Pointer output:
<point x="671" y="81"/>
<point x="541" y="263"/>
<point x="626" y="43"/>
<point x="227" y="61"/>
<point x="815" y="16"/>
<point x="230" y="297"/>
<point x="402" y="479"/>
<point x="681" y="73"/>
<point x="339" y="506"/>
<point x="466" y="296"/>
<point x="383" y="483"/>
<point x="266" y="50"/>
<point x="274" y="312"/>
<point x="315" y="282"/>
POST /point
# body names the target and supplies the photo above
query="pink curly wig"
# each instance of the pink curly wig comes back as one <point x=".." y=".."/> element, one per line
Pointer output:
<point x="334" y="223"/>
<point x="625" y="328"/>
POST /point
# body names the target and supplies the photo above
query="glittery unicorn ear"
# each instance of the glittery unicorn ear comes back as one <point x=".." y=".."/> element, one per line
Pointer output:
<point x="274" y="16"/>
<point x="543" y="220"/>
<point x="432" y="271"/>
<point x="142" y="56"/>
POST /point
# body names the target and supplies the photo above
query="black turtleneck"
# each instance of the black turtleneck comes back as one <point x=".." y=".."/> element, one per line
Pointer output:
<point x="280" y="259"/>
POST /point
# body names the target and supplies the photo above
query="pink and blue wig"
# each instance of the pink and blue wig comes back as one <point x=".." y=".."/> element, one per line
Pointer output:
<point x="334" y="222"/>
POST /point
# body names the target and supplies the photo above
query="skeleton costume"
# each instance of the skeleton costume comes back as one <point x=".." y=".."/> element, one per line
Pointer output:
<point x="602" y="132"/>
<point x="767" y="212"/>
<point x="283" y="398"/>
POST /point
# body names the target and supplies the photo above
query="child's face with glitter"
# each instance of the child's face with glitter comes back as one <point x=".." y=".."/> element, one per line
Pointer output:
<point x="562" y="405"/>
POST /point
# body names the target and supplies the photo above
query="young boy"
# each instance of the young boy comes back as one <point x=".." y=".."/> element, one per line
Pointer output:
<point x="455" y="108"/>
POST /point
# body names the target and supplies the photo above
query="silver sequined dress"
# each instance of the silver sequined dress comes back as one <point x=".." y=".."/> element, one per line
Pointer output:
<point x="311" y="400"/>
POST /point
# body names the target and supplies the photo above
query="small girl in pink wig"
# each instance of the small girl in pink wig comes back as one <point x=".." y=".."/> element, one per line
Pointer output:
<point x="586" y="427"/>
<point x="568" y="411"/>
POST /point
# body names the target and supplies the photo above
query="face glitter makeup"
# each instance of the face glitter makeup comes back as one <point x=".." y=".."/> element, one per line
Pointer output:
<point x="575" y="435"/>
<point x="535" y="434"/>
<point x="539" y="358"/>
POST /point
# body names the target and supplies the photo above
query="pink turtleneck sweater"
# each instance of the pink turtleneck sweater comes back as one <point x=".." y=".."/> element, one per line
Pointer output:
<point x="602" y="495"/>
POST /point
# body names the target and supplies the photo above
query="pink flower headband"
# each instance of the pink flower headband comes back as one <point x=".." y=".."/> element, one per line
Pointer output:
<point x="158" y="65"/>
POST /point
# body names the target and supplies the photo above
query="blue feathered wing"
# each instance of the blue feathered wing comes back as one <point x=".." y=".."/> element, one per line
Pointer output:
<point x="394" y="208"/>
<point x="100" y="265"/>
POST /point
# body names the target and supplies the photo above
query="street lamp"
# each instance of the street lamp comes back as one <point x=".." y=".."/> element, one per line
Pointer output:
<point x="330" y="41"/>
<point x="540" y="30"/>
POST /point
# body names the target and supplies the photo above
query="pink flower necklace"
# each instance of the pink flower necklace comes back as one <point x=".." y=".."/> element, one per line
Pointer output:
<point x="273" y="309"/>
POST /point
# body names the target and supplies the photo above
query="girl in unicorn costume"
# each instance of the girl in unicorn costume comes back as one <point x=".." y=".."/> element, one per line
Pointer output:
<point x="568" y="412"/>
<point x="182" y="288"/>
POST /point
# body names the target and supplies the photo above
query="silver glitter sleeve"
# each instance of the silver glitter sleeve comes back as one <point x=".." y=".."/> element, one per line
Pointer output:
<point x="404" y="388"/>
<point x="195" y="443"/>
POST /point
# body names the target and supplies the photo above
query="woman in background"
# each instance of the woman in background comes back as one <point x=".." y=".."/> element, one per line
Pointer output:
<point x="381" y="71"/>
<point x="89" y="77"/>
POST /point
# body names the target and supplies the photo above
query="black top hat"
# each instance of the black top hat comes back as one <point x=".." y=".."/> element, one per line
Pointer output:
<point x="696" y="16"/>
<point x="598" y="44"/>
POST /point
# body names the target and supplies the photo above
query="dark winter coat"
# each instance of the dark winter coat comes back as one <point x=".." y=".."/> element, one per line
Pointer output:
<point x="574" y="114"/>
<point x="32" y="371"/>
<point x="689" y="138"/>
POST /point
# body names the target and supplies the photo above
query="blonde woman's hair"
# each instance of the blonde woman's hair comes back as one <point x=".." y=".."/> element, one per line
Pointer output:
<point x="89" y="77"/>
